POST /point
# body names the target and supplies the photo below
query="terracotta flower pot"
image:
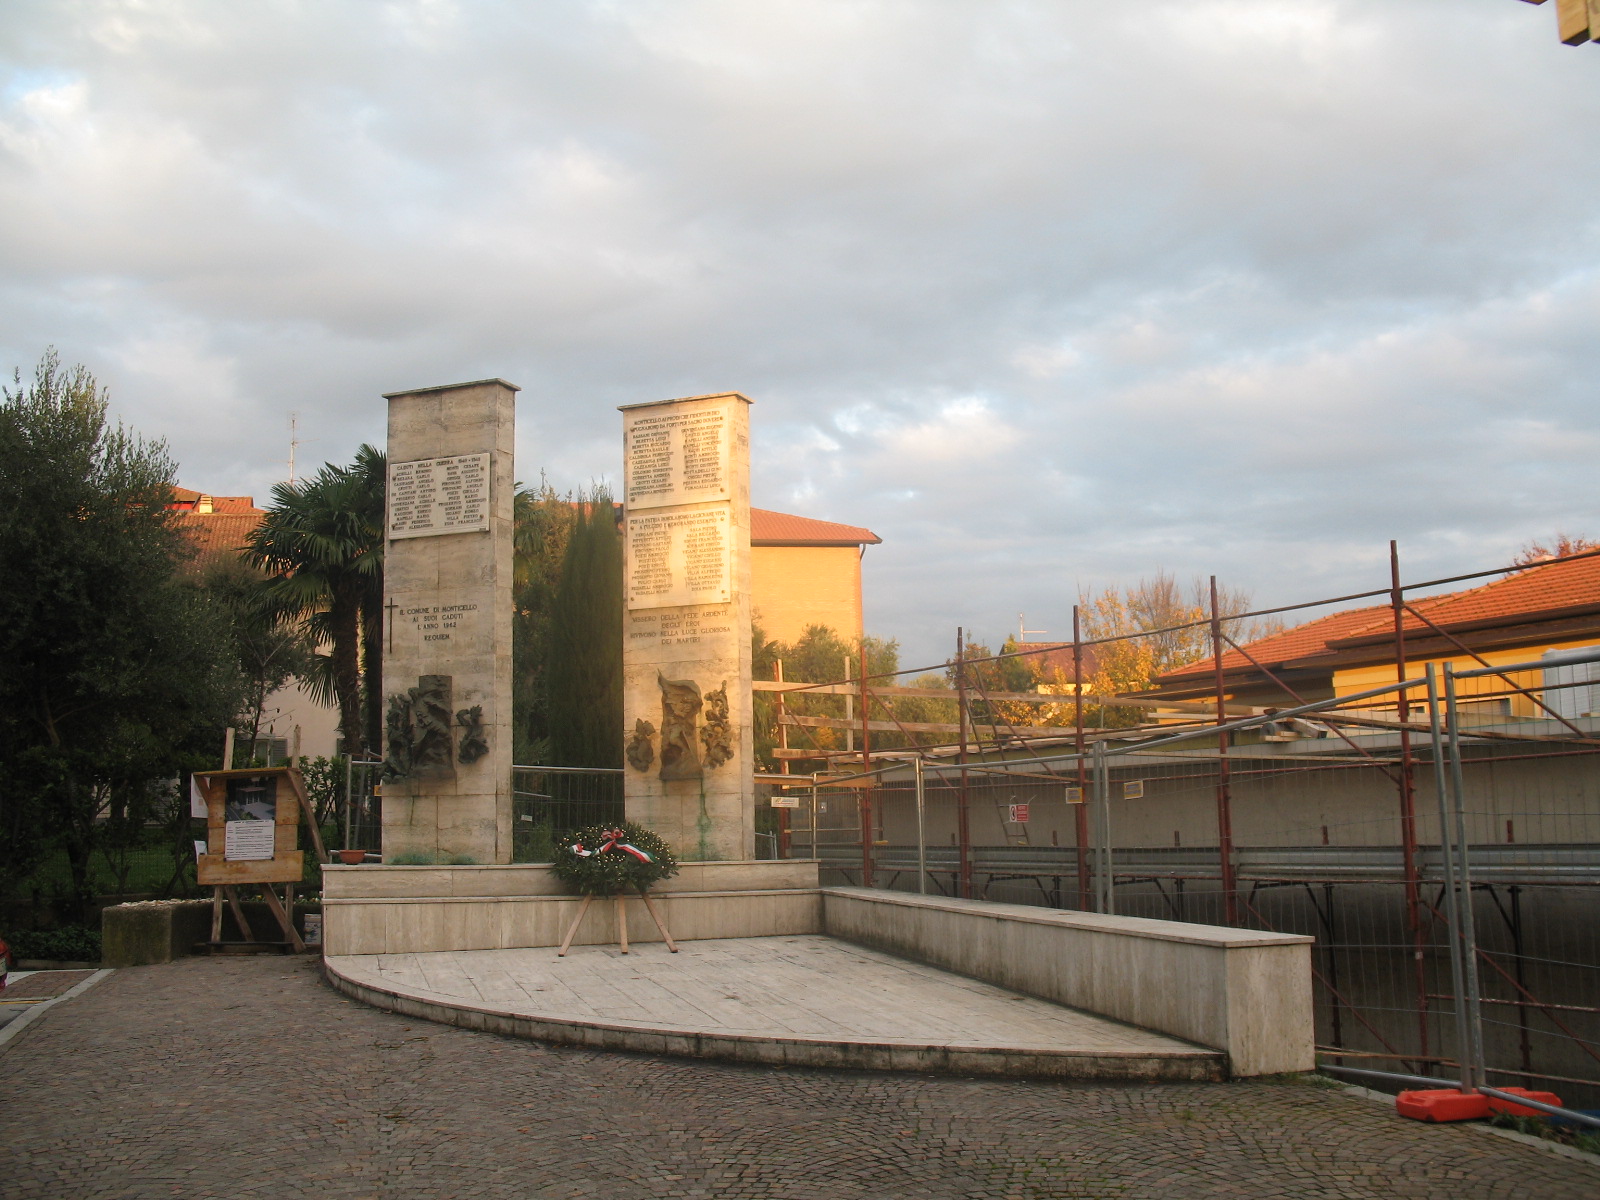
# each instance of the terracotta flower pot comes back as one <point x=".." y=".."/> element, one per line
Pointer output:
<point x="352" y="858"/>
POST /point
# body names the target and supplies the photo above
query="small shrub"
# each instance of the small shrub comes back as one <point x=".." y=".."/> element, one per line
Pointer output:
<point x="70" y="943"/>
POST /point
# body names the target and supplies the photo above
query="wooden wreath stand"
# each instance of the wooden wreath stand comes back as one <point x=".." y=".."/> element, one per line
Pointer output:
<point x="622" y="923"/>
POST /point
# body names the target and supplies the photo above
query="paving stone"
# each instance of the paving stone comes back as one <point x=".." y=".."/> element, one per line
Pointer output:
<point x="250" y="1077"/>
<point x="41" y="985"/>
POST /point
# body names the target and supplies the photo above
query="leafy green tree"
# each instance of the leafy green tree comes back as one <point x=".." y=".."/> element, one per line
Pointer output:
<point x="1152" y="627"/>
<point x="583" y="667"/>
<point x="114" y="665"/>
<point x="321" y="544"/>
<point x="270" y="648"/>
<point x="819" y="655"/>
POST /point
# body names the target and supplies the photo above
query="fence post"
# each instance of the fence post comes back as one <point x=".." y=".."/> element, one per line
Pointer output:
<point x="963" y="814"/>
<point x="1102" y="789"/>
<point x="1452" y="902"/>
<point x="922" y="833"/>
<point x="349" y="779"/>
<point x="1080" y="816"/>
<point x="867" y="822"/>
<point x="1230" y="882"/>
<point x="1469" y="933"/>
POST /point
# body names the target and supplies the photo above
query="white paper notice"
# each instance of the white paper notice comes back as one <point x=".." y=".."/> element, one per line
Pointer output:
<point x="197" y="799"/>
<point x="199" y="850"/>
<point x="249" y="840"/>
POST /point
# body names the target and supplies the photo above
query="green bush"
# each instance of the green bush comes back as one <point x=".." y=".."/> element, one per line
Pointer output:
<point x="70" y="943"/>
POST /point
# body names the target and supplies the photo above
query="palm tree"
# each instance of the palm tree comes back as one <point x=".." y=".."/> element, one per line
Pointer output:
<point x="322" y="544"/>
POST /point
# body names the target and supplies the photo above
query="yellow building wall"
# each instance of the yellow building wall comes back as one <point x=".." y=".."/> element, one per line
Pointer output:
<point x="1361" y="679"/>
<point x="795" y="586"/>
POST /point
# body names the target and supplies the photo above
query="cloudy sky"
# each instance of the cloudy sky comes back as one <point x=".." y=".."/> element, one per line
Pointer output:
<point x="1050" y="294"/>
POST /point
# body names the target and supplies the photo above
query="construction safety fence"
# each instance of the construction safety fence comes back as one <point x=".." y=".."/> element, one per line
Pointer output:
<point x="1447" y="863"/>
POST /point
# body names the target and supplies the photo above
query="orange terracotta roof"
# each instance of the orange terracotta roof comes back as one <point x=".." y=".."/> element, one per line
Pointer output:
<point x="781" y="529"/>
<point x="1303" y="641"/>
<point x="1569" y="586"/>
<point x="1561" y="586"/>
<point x="216" y="535"/>
<point x="186" y="499"/>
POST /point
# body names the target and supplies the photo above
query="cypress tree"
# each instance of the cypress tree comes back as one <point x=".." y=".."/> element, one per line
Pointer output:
<point x="583" y="671"/>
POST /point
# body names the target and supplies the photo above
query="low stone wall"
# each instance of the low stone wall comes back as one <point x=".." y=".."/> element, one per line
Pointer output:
<point x="414" y="910"/>
<point x="132" y="935"/>
<point x="1243" y="992"/>
<point x="158" y="931"/>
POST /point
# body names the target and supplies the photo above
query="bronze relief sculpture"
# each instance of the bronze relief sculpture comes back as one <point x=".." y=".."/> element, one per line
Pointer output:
<point x="417" y="738"/>
<point x="716" y="735"/>
<point x="680" y="706"/>
<point x="640" y="750"/>
<point x="474" y="745"/>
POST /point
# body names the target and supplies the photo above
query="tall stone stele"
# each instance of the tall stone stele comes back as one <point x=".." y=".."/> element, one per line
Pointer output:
<point x="447" y="624"/>
<point x="686" y="624"/>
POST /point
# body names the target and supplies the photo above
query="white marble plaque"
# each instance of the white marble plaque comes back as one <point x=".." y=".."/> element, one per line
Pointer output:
<point x="676" y="457"/>
<point x="687" y="632"/>
<point x="442" y="628"/>
<point x="430" y="496"/>
<point x="677" y="558"/>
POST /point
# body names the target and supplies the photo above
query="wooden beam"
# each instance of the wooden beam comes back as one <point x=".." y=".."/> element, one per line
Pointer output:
<point x="285" y="920"/>
<point x="297" y="784"/>
<point x="840" y="689"/>
<point x="926" y="727"/>
<point x="283" y="867"/>
<point x="238" y="914"/>
<point x="1572" y="16"/>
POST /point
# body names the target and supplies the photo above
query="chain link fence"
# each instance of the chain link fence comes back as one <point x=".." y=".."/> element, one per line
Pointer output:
<point x="1447" y="865"/>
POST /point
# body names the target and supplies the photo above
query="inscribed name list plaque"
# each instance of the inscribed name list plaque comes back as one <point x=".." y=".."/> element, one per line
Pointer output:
<point x="430" y="496"/>
<point x="678" y="558"/>
<point x="676" y="457"/>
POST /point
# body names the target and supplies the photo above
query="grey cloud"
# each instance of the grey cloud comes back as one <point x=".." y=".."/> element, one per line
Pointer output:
<point x="1252" y="285"/>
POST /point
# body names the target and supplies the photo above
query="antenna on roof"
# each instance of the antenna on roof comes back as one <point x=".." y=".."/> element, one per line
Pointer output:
<point x="295" y="442"/>
<point x="1023" y="632"/>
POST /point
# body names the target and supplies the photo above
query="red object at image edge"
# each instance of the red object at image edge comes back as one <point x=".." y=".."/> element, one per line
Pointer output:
<point x="1448" y="1104"/>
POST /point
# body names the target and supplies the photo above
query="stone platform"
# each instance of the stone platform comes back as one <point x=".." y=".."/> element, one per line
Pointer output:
<point x="805" y="1000"/>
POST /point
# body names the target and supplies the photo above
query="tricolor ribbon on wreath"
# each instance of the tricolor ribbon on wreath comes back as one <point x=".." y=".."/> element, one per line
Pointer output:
<point x="613" y="841"/>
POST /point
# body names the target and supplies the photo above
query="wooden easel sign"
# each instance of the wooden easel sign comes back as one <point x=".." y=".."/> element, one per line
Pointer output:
<point x="252" y="838"/>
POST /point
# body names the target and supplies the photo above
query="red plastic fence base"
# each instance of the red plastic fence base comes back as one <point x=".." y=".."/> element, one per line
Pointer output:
<point x="1448" y="1104"/>
<point x="1522" y="1110"/>
<point x="1443" y="1104"/>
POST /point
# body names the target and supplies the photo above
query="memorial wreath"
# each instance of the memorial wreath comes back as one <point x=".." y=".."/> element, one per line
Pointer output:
<point x="605" y="860"/>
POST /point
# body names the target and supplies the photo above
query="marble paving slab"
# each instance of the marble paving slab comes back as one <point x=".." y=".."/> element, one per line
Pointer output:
<point x="807" y="987"/>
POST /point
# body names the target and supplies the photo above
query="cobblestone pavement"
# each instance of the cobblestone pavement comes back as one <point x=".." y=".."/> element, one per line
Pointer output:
<point x="247" y="1077"/>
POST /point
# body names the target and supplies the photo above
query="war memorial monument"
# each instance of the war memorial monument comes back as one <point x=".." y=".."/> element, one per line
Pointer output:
<point x="776" y="968"/>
